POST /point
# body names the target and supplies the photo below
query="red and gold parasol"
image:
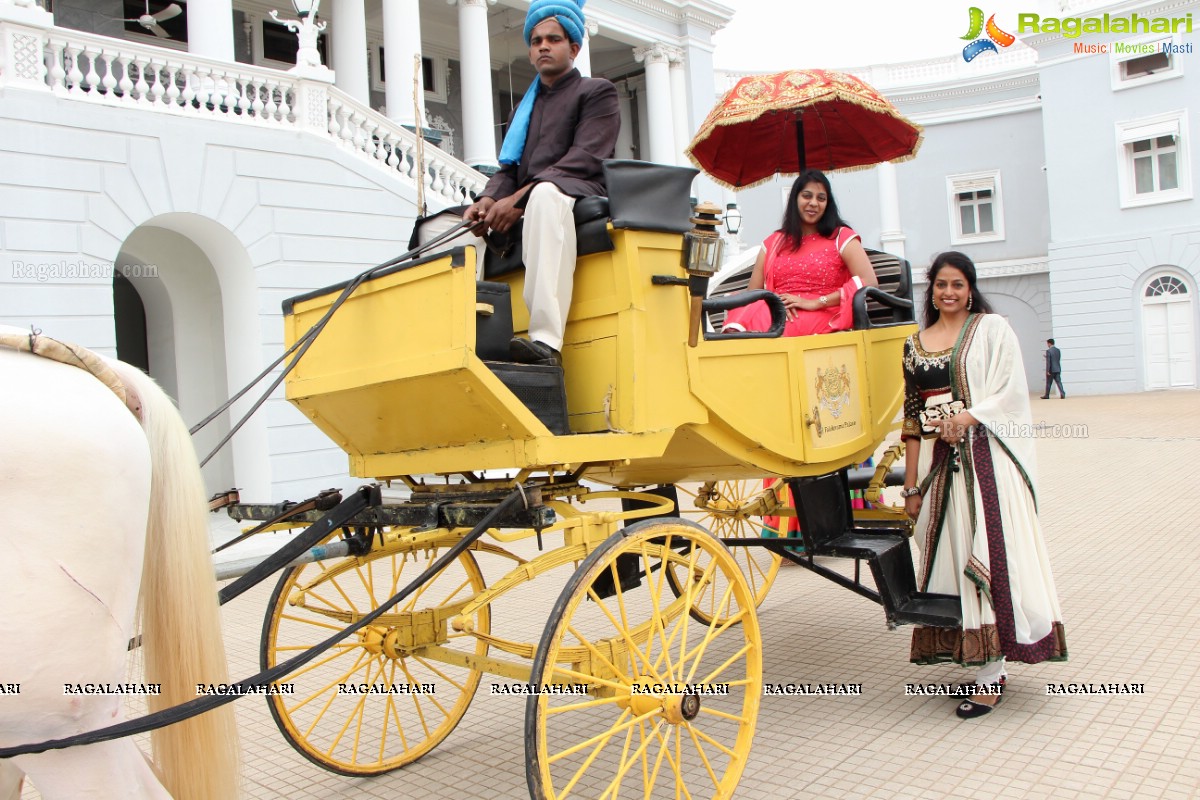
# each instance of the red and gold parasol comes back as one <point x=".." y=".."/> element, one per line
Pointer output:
<point x="783" y="123"/>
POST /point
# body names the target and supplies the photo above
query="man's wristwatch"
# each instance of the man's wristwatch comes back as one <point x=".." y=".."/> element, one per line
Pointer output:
<point x="910" y="491"/>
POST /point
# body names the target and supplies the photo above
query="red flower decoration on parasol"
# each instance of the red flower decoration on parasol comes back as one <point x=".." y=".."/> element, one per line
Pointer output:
<point x="784" y="123"/>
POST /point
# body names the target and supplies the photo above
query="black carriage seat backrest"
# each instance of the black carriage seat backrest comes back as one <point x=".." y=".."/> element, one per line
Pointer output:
<point x="894" y="276"/>
<point x="641" y="196"/>
<point x="649" y="197"/>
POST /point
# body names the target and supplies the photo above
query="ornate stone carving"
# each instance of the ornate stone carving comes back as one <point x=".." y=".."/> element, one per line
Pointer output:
<point x="26" y="61"/>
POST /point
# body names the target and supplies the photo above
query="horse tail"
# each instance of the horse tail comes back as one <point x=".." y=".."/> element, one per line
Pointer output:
<point x="197" y="759"/>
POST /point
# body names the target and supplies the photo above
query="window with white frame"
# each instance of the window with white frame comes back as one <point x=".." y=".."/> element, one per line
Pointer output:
<point x="976" y="208"/>
<point x="434" y="74"/>
<point x="1145" y="60"/>
<point x="1151" y="160"/>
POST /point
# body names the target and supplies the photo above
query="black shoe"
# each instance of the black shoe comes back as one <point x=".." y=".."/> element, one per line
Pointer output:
<point x="970" y="709"/>
<point x="531" y="351"/>
<point x="1045" y="397"/>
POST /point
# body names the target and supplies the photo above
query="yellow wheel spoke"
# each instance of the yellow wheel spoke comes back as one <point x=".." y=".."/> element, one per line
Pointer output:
<point x="395" y="712"/>
<point x="712" y="741"/>
<point x="339" y="679"/>
<point x="334" y="582"/>
<point x="712" y="775"/>
<point x="360" y="711"/>
<point x="725" y="624"/>
<point x="727" y="663"/>
<point x="417" y="697"/>
<point x="709" y="634"/>
<point x="596" y="651"/>
<point x="329" y="702"/>
<point x="588" y="761"/>
<point x="615" y="729"/>
<point x="460" y="686"/>
<point x="629" y="642"/>
<point x="602" y="701"/>
<point x="658" y="761"/>
<point x="723" y="715"/>
<point x="583" y="677"/>
<point x="656" y="621"/>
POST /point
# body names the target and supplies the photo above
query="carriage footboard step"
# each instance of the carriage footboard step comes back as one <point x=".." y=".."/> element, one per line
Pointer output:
<point x="540" y="388"/>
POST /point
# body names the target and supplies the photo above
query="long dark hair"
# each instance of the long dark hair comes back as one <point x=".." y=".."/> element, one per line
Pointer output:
<point x="953" y="258"/>
<point x="829" y="222"/>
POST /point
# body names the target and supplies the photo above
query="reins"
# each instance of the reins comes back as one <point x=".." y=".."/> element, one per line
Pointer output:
<point x="168" y="716"/>
<point x="304" y="342"/>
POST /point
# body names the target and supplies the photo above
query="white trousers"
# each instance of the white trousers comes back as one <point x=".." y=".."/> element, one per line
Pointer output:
<point x="991" y="672"/>
<point x="548" y="250"/>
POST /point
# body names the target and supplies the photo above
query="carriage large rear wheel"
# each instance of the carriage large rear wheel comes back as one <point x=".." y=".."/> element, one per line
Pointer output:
<point x="670" y="704"/>
<point x="373" y="702"/>
<point x="727" y="509"/>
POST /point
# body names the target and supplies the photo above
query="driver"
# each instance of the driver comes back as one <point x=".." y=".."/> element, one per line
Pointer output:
<point x="564" y="127"/>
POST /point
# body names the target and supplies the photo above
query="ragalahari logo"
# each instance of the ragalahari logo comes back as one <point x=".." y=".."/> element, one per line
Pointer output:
<point x="994" y="37"/>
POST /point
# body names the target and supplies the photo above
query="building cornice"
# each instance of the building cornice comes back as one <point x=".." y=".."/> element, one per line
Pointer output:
<point x="945" y="91"/>
<point x="1007" y="268"/>
<point x="714" y="16"/>
<point x="982" y="111"/>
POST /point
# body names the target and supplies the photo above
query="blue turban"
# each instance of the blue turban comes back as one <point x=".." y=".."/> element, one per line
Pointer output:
<point x="569" y="14"/>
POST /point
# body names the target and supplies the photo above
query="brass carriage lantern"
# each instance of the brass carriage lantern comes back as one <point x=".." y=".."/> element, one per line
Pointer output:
<point x="702" y="247"/>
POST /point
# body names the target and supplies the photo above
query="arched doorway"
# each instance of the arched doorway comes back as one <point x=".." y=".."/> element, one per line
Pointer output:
<point x="185" y="287"/>
<point x="1168" y="333"/>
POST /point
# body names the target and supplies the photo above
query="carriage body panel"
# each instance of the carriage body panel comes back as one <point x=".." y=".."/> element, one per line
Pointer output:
<point x="396" y="381"/>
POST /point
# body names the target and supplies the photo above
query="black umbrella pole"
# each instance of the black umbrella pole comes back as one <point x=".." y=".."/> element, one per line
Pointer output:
<point x="801" y="161"/>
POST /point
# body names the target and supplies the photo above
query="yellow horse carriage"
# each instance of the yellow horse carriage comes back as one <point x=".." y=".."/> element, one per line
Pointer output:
<point x="645" y="675"/>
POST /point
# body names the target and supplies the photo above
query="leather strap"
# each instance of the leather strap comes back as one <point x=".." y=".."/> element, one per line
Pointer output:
<point x="75" y="356"/>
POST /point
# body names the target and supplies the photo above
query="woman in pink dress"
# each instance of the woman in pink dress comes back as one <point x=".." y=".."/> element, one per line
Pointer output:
<point x="815" y="263"/>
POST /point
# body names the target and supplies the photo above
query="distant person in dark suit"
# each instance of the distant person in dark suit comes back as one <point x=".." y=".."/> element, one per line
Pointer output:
<point x="1053" y="369"/>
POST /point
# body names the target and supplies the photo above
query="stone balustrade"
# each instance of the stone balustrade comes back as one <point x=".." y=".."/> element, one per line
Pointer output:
<point x="97" y="69"/>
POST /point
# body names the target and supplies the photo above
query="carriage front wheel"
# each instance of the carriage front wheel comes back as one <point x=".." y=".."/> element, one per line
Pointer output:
<point x="634" y="696"/>
<point x="374" y="701"/>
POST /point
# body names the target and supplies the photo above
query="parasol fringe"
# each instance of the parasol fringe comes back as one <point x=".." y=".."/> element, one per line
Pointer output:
<point x="860" y="168"/>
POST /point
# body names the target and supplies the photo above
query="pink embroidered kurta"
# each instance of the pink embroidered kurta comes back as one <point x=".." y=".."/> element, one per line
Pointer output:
<point x="813" y="270"/>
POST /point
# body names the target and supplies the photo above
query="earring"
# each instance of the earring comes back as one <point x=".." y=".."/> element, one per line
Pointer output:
<point x="935" y="305"/>
<point x="969" y="299"/>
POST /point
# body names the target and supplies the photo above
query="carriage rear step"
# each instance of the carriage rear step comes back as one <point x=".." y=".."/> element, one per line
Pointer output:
<point x="890" y="559"/>
<point x="540" y="388"/>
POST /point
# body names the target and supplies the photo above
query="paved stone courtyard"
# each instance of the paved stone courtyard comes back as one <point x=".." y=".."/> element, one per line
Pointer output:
<point x="1118" y="502"/>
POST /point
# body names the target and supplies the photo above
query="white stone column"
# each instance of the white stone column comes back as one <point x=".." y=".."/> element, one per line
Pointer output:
<point x="401" y="46"/>
<point x="210" y="28"/>
<point x="679" y="107"/>
<point x="475" y="55"/>
<point x="624" y="147"/>
<point x="891" y="235"/>
<point x="350" y="49"/>
<point x="583" y="61"/>
<point x="658" y="102"/>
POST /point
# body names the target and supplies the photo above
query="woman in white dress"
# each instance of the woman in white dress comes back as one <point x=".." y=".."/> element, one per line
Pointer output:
<point x="969" y="483"/>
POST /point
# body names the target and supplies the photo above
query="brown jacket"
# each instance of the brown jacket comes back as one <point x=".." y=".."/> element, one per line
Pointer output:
<point x="573" y="128"/>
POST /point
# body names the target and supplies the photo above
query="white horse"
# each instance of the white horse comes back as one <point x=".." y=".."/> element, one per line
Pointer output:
<point x="93" y="504"/>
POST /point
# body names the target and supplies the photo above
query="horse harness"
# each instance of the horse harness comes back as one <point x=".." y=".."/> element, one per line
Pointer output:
<point x="75" y="356"/>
